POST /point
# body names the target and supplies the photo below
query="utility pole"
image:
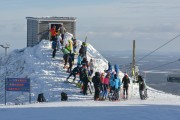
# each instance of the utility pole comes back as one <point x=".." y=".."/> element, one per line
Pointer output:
<point x="6" y="48"/>
<point x="133" y="67"/>
<point x="133" y="60"/>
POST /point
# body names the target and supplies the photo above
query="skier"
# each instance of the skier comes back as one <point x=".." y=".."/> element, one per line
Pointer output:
<point x="126" y="83"/>
<point x="65" y="56"/>
<point x="97" y="82"/>
<point x="58" y="42"/>
<point x="62" y="32"/>
<point x="70" y="61"/>
<point x="85" y="48"/>
<point x="111" y="81"/>
<point x="106" y="85"/>
<point x="80" y="82"/>
<point x="84" y="62"/>
<point x="79" y="60"/>
<point x="117" y="86"/>
<point x="54" y="47"/>
<point x="112" y="87"/>
<point x="102" y="76"/>
<point x="74" y="72"/>
<point x="91" y="67"/>
<point x="81" y="51"/>
<point x="53" y="33"/>
<point x="85" y="80"/>
<point x="70" y="46"/>
<point x="74" y="45"/>
<point x="142" y="87"/>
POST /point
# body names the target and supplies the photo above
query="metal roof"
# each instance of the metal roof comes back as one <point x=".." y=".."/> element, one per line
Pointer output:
<point x="53" y="18"/>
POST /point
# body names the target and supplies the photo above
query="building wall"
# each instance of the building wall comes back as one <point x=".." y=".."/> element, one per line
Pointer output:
<point x="38" y="29"/>
<point x="43" y="30"/>
<point x="32" y="28"/>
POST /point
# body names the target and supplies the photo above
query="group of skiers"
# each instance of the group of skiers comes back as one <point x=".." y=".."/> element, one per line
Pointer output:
<point x="106" y="84"/>
<point x="57" y="37"/>
<point x="68" y="48"/>
<point x="85" y="70"/>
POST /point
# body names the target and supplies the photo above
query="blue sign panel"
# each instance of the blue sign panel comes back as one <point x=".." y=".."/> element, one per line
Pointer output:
<point x="18" y="84"/>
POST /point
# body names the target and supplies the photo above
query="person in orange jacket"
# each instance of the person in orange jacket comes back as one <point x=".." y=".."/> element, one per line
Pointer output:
<point x="53" y="33"/>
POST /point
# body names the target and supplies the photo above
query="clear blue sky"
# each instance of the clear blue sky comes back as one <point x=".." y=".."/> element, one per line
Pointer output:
<point x="109" y="24"/>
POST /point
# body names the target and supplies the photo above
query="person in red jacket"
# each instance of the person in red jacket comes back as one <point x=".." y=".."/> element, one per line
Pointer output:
<point x="53" y="33"/>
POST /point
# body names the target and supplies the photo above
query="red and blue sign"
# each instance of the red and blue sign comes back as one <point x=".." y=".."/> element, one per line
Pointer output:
<point x="18" y="84"/>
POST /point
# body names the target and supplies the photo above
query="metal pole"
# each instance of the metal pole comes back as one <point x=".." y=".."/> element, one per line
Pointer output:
<point x="5" y="84"/>
<point x="29" y="91"/>
<point x="5" y="91"/>
<point x="5" y="48"/>
<point x="133" y="67"/>
<point x="133" y="60"/>
<point x="6" y="51"/>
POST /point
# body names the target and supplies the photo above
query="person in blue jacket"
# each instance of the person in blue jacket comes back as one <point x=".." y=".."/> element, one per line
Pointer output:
<point x="54" y="47"/>
<point x="117" y="86"/>
<point x="79" y="59"/>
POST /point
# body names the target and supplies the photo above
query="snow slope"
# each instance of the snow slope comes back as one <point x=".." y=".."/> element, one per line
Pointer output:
<point x="47" y="76"/>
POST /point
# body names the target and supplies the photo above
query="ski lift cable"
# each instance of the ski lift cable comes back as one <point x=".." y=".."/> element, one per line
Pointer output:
<point x="163" y="65"/>
<point x="158" y="48"/>
<point x="127" y="64"/>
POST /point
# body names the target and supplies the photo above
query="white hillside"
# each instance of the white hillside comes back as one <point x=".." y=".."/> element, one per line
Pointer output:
<point x="46" y="75"/>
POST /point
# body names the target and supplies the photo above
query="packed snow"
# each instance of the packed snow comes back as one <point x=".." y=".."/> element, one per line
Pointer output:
<point x="47" y="76"/>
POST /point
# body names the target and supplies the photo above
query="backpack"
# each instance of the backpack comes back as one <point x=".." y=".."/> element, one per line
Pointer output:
<point x="41" y="98"/>
<point x="112" y="83"/>
<point x="64" y="96"/>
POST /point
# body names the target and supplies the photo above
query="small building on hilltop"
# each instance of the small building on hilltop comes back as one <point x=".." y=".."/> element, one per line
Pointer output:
<point x="38" y="27"/>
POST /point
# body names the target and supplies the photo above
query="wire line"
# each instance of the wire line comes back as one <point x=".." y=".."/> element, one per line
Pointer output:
<point x="163" y="65"/>
<point x="158" y="48"/>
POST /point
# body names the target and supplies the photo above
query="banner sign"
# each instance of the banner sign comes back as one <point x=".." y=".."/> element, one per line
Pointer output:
<point x="18" y="84"/>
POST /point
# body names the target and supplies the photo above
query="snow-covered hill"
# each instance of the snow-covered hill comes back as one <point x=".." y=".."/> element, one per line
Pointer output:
<point x="47" y="76"/>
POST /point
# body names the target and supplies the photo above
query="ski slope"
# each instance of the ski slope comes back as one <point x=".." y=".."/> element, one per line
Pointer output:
<point x="47" y="76"/>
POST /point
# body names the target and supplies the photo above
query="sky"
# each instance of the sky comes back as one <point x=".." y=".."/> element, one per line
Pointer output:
<point x="151" y="22"/>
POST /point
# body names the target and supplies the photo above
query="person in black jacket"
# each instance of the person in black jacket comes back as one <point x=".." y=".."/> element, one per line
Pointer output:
<point x="70" y="61"/>
<point x="85" y="62"/>
<point x="97" y="82"/>
<point x="142" y="87"/>
<point x="74" y="72"/>
<point x="126" y="83"/>
<point x="85" y="80"/>
<point x="81" y="51"/>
